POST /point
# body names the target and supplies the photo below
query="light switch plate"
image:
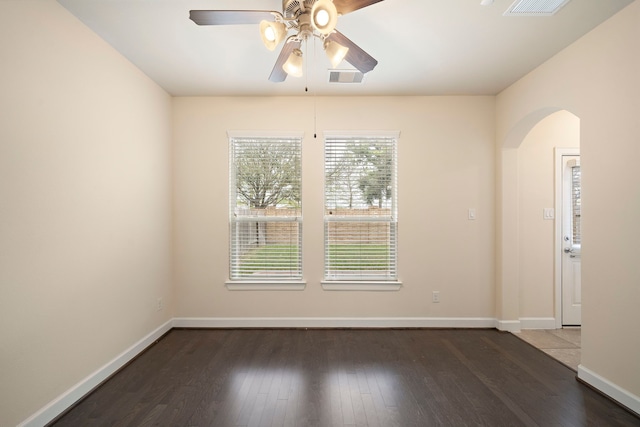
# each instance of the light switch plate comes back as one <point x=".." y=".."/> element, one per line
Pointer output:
<point x="472" y="214"/>
<point x="548" y="213"/>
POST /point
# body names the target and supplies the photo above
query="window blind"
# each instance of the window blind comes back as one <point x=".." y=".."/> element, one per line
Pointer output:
<point x="576" y="204"/>
<point x="265" y="208"/>
<point x="360" y="218"/>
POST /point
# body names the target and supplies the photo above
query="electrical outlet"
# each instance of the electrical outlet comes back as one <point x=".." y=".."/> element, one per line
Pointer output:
<point x="159" y="304"/>
<point x="435" y="297"/>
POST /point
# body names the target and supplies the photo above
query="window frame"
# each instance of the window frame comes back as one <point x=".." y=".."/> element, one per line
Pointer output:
<point x="346" y="283"/>
<point x="261" y="283"/>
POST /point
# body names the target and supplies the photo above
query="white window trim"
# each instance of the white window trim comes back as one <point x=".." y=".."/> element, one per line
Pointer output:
<point x="263" y="285"/>
<point x="361" y="285"/>
<point x="364" y="134"/>
<point x="342" y="285"/>
<point x="264" y="134"/>
<point x="266" y="285"/>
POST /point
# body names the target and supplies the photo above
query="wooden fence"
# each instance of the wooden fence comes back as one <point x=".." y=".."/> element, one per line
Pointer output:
<point x="340" y="232"/>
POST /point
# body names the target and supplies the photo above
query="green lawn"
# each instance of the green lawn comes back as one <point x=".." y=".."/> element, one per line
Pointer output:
<point x="275" y="258"/>
<point x="271" y="258"/>
<point x="358" y="257"/>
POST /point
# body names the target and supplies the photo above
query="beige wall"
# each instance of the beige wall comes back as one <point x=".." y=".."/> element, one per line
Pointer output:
<point x="86" y="210"/>
<point x="536" y="191"/>
<point x="84" y="205"/>
<point x="446" y="165"/>
<point x="596" y="78"/>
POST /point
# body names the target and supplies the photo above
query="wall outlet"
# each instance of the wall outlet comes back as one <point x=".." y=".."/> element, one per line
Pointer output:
<point x="159" y="304"/>
<point x="435" y="297"/>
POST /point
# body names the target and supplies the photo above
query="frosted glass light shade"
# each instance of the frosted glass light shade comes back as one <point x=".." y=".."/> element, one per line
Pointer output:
<point x="324" y="16"/>
<point x="294" y="64"/>
<point x="272" y="33"/>
<point x="335" y="52"/>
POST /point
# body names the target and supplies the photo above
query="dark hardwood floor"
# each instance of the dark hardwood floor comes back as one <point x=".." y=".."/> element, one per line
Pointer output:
<point x="344" y="377"/>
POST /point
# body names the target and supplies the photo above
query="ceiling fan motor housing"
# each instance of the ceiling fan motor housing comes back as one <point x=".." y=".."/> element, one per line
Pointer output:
<point x="305" y="18"/>
<point x="293" y="8"/>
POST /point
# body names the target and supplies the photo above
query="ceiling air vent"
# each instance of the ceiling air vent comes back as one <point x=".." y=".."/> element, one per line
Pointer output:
<point x="535" y="7"/>
<point x="345" y="76"/>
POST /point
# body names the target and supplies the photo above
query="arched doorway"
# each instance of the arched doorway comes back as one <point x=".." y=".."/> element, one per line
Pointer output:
<point x="527" y="243"/>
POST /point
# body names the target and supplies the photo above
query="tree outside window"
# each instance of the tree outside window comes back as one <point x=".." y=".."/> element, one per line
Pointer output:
<point x="265" y="208"/>
<point x="360" y="208"/>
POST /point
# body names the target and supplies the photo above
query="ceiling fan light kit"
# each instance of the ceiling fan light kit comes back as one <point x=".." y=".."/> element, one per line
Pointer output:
<point x="324" y="16"/>
<point x="294" y="63"/>
<point x="272" y="33"/>
<point x="335" y="51"/>
<point x="304" y="19"/>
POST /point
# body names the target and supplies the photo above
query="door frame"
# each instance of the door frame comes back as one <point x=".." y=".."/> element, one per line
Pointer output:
<point x="559" y="172"/>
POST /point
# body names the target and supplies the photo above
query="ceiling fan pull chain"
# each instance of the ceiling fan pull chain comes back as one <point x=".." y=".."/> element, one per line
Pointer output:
<point x="306" y="19"/>
<point x="315" y="107"/>
<point x="306" y="65"/>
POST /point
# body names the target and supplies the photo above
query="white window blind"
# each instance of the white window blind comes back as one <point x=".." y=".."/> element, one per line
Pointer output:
<point x="265" y="208"/>
<point x="360" y="218"/>
<point x="576" y="205"/>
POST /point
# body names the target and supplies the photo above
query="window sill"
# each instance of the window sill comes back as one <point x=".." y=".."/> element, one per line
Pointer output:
<point x="254" y="285"/>
<point x="336" y="285"/>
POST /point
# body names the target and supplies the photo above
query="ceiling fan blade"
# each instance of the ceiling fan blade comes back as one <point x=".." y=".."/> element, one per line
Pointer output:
<point x="278" y="74"/>
<point x="355" y="56"/>
<point x="229" y="17"/>
<point x="346" y="6"/>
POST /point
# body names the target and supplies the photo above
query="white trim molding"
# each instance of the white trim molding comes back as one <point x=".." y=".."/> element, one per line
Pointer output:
<point x="81" y="389"/>
<point x="526" y="323"/>
<point x="537" y="323"/>
<point x="67" y="399"/>
<point x="507" y="325"/>
<point x="329" y="285"/>
<point x="244" y="285"/>
<point x="334" y="322"/>
<point x="617" y="393"/>
<point x="265" y="134"/>
<point x="63" y="402"/>
<point x="362" y="133"/>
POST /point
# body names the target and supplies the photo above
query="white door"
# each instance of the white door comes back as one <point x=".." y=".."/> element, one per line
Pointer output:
<point x="571" y="242"/>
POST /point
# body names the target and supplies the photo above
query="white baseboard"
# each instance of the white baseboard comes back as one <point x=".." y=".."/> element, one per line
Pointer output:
<point x="526" y="323"/>
<point x="78" y="391"/>
<point x="508" y="325"/>
<point x="67" y="399"/>
<point x="75" y="393"/>
<point x="537" y="323"/>
<point x="334" y="322"/>
<point x="617" y="393"/>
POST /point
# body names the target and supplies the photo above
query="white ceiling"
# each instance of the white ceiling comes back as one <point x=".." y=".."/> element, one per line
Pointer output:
<point x="424" y="47"/>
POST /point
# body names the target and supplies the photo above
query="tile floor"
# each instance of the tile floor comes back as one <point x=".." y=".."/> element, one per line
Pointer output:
<point x="561" y="344"/>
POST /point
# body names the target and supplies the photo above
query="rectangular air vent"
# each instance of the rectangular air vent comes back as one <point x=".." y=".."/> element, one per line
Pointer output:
<point x="345" y="76"/>
<point x="535" y="7"/>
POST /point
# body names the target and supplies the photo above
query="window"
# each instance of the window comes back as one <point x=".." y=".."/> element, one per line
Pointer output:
<point x="360" y="218"/>
<point x="576" y="205"/>
<point x="265" y="208"/>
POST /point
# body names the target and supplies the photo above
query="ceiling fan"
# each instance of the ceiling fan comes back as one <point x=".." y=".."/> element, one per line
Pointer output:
<point x="304" y="19"/>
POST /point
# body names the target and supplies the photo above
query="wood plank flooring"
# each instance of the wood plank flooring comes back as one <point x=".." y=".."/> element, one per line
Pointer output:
<point x="323" y="377"/>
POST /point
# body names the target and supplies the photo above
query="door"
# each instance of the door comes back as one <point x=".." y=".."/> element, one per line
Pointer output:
<point x="571" y="242"/>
